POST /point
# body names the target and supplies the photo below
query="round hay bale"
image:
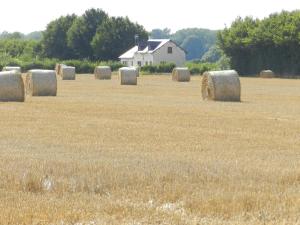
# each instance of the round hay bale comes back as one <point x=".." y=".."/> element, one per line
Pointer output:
<point x="137" y="70"/>
<point x="128" y="76"/>
<point x="181" y="74"/>
<point x="58" y="68"/>
<point x="267" y="74"/>
<point x="12" y="68"/>
<point x="102" y="73"/>
<point x="57" y="65"/>
<point x="11" y="87"/>
<point x="41" y="83"/>
<point x="221" y="86"/>
<point x="67" y="72"/>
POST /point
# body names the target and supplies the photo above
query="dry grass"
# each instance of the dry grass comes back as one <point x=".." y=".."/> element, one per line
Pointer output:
<point x="102" y="153"/>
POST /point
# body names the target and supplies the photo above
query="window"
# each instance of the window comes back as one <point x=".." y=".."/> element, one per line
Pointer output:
<point x="150" y="63"/>
<point x="162" y="62"/>
<point x="124" y="62"/>
<point x="170" y="50"/>
<point x="131" y="63"/>
<point x="146" y="63"/>
<point x="139" y="63"/>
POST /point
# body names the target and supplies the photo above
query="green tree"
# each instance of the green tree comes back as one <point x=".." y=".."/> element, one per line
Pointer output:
<point x="55" y="38"/>
<point x="115" y="36"/>
<point x="36" y="35"/>
<point x="195" y="41"/>
<point x="14" y="35"/>
<point x="213" y="54"/>
<point x="194" y="47"/>
<point x="160" y="34"/>
<point x="272" y="43"/>
<point x="81" y="33"/>
<point x="18" y="48"/>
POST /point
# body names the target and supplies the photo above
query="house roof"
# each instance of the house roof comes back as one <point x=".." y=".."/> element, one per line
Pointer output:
<point x="130" y="53"/>
<point x="152" y="46"/>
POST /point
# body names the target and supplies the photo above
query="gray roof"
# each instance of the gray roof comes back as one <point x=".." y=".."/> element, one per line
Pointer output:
<point x="152" y="46"/>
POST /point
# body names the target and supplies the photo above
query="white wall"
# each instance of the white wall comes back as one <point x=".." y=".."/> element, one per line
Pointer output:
<point x="143" y="58"/>
<point x="127" y="62"/>
<point x="162" y="55"/>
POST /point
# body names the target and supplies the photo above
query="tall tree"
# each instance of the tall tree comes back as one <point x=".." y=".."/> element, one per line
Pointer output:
<point x="36" y="35"/>
<point x="115" y="36"/>
<point x="160" y="34"/>
<point x="195" y="41"/>
<point x="194" y="46"/>
<point x="14" y="35"/>
<point x="81" y="33"/>
<point x="55" y="38"/>
<point x="272" y="43"/>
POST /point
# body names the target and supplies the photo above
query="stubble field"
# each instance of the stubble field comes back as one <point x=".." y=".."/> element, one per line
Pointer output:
<point x="155" y="153"/>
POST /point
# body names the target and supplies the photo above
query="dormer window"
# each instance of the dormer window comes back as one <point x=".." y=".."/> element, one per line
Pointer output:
<point x="170" y="50"/>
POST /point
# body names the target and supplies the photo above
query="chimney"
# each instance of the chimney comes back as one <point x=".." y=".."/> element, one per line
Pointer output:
<point x="136" y="39"/>
<point x="142" y="44"/>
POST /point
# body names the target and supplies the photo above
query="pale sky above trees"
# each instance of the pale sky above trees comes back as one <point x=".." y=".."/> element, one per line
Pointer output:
<point x="31" y="15"/>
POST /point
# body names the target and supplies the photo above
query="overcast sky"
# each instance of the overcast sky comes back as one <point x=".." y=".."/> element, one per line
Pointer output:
<point x="32" y="15"/>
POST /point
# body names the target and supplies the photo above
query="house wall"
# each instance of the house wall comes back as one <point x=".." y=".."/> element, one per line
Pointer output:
<point x="127" y="62"/>
<point x="143" y="58"/>
<point x="162" y="55"/>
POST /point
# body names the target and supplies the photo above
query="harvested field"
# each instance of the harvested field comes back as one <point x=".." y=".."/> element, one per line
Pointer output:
<point x="155" y="153"/>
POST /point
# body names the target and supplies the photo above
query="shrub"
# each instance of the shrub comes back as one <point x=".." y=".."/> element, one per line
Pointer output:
<point x="161" y="68"/>
<point x="200" y="68"/>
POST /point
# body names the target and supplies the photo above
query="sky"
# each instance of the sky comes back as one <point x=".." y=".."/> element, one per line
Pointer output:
<point x="32" y="15"/>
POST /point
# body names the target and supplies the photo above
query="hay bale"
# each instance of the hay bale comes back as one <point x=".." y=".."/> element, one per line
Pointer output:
<point x="137" y="70"/>
<point x="128" y="76"/>
<point x="221" y="86"/>
<point x="11" y="87"/>
<point x="67" y="72"/>
<point x="58" y="67"/>
<point x="181" y="74"/>
<point x="12" y="68"/>
<point x="41" y="83"/>
<point x="267" y="74"/>
<point x="102" y="73"/>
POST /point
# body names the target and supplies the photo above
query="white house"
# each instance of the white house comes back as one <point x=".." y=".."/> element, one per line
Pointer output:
<point x="153" y="52"/>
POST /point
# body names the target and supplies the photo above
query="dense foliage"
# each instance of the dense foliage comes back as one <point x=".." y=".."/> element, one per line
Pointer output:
<point x="115" y="36"/>
<point x="272" y="43"/>
<point x="94" y="35"/>
<point x="82" y="32"/>
<point x="161" y="68"/>
<point x="36" y="35"/>
<point x="197" y="67"/>
<point x="55" y="42"/>
<point x="19" y="48"/>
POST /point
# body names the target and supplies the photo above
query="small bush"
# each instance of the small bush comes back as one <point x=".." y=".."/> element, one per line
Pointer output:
<point x="200" y="68"/>
<point x="161" y="68"/>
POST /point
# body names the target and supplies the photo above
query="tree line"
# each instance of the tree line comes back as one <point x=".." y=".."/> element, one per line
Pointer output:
<point x="271" y="43"/>
<point x="92" y="36"/>
<point x="96" y="36"/>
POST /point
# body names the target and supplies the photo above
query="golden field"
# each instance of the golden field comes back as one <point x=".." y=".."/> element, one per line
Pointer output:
<point x="155" y="153"/>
